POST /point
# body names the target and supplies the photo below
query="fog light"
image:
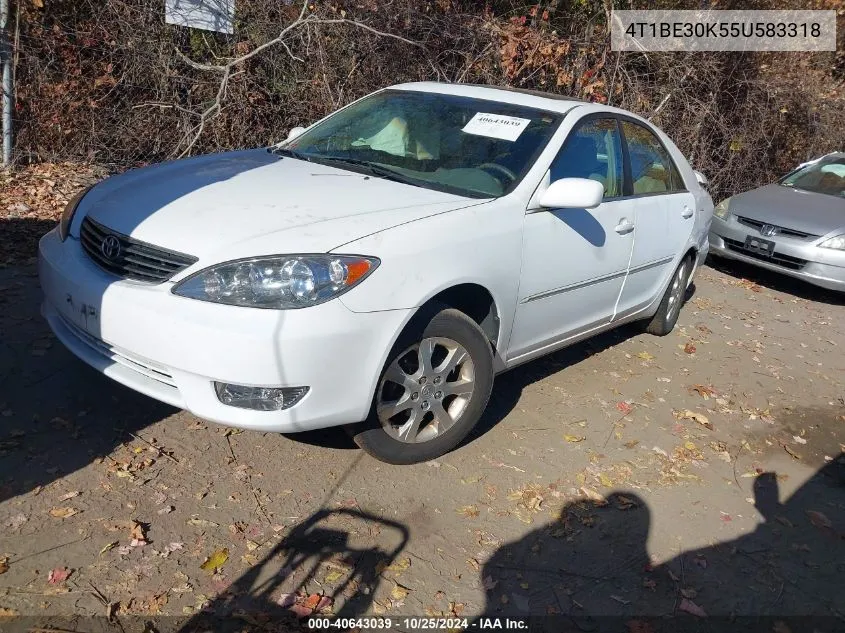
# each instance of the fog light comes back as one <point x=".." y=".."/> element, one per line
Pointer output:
<point x="259" y="398"/>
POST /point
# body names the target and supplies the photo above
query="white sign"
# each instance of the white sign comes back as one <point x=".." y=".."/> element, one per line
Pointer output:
<point x="209" y="15"/>
<point x="507" y="128"/>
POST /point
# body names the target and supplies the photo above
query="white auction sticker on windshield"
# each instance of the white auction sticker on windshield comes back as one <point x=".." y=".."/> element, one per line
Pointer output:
<point x="507" y="128"/>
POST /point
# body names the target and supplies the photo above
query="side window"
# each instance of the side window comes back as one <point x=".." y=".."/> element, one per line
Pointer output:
<point x="593" y="150"/>
<point x="652" y="169"/>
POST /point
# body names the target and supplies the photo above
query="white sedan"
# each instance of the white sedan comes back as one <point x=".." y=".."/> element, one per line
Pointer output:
<point x="379" y="268"/>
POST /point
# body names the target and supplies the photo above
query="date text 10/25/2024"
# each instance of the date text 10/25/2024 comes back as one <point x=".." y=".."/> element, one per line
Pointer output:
<point x="418" y="624"/>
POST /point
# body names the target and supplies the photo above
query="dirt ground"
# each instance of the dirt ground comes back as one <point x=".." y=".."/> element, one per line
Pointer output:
<point x="699" y="473"/>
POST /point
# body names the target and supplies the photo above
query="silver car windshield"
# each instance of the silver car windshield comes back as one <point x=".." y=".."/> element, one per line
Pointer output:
<point x="470" y="147"/>
<point x="826" y="176"/>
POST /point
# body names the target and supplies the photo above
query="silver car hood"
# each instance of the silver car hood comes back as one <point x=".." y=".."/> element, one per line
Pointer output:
<point x="814" y="213"/>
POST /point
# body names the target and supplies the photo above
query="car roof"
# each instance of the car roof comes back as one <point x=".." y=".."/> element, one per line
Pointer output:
<point x="517" y="96"/>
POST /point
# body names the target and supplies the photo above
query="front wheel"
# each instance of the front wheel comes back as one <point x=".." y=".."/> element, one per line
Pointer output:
<point x="432" y="391"/>
<point x="667" y="313"/>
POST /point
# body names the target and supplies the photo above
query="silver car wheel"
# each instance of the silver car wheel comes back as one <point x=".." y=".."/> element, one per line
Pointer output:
<point x="425" y="390"/>
<point x="678" y="288"/>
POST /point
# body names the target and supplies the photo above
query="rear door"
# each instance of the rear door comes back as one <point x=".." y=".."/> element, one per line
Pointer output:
<point x="664" y="213"/>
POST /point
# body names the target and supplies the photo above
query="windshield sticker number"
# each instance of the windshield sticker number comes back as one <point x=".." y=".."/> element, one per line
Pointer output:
<point x="507" y="128"/>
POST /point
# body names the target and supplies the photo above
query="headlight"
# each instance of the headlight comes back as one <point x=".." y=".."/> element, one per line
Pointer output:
<point x="280" y="282"/>
<point x="837" y="242"/>
<point x="722" y="209"/>
<point x="67" y="214"/>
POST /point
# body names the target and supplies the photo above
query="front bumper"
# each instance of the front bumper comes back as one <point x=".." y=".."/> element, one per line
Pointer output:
<point x="794" y="257"/>
<point x="173" y="348"/>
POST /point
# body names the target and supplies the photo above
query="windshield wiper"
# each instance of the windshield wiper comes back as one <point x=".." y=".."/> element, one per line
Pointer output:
<point x="372" y="169"/>
<point x="289" y="153"/>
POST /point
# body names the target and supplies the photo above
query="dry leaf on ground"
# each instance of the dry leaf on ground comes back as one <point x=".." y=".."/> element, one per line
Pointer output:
<point x="63" y="513"/>
<point x="217" y="559"/>
<point x="59" y="575"/>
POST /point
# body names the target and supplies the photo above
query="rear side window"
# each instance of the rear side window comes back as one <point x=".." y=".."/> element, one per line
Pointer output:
<point x="652" y="169"/>
<point x="593" y="150"/>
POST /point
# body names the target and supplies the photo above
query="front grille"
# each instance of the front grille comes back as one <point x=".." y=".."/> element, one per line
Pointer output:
<point x="141" y="365"/>
<point x="757" y="224"/>
<point x="134" y="259"/>
<point x="787" y="261"/>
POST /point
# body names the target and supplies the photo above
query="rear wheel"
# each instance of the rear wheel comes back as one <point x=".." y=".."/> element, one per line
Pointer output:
<point x="432" y="391"/>
<point x="667" y="313"/>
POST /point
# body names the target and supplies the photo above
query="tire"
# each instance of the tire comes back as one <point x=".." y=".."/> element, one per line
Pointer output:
<point x="421" y="412"/>
<point x="664" y="320"/>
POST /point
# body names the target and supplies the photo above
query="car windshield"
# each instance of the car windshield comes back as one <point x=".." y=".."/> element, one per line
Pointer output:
<point x="826" y="176"/>
<point x="470" y="147"/>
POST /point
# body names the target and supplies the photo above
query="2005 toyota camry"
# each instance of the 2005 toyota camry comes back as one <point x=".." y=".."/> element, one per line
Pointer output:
<point x="378" y="268"/>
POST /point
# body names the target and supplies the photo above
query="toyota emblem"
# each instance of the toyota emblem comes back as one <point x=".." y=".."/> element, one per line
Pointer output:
<point x="110" y="247"/>
<point x="768" y="230"/>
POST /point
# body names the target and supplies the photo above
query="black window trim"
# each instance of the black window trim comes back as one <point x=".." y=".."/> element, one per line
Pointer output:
<point x="588" y="118"/>
<point x="629" y="184"/>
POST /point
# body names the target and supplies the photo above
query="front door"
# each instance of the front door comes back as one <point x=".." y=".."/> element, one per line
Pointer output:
<point x="574" y="261"/>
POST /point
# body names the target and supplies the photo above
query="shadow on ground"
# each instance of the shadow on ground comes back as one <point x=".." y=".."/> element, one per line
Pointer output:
<point x="774" y="281"/>
<point x="58" y="414"/>
<point x="591" y="570"/>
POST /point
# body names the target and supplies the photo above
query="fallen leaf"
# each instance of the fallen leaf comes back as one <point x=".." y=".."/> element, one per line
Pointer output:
<point x="399" y="592"/>
<point x="574" y="438"/>
<point x="689" y="348"/>
<point x="645" y="356"/>
<point x="488" y="583"/>
<point x="70" y="495"/>
<point x="639" y="626"/>
<point x="138" y="534"/>
<point x="7" y="613"/>
<point x="312" y="601"/>
<point x="725" y="517"/>
<point x="593" y="496"/>
<point x="819" y="520"/>
<point x="624" y="407"/>
<point x="702" y="419"/>
<point x="798" y="439"/>
<point x="217" y="559"/>
<point x="400" y="565"/>
<point x="469" y="511"/>
<point x="59" y="575"/>
<point x="286" y="600"/>
<point x="333" y="576"/>
<point x="108" y="546"/>
<point x="63" y="513"/>
<point x="202" y="522"/>
<point x="4" y="564"/>
<point x="703" y="390"/>
<point x="690" y="607"/>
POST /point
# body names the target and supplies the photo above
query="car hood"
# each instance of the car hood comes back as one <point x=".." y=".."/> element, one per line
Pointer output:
<point x="808" y="212"/>
<point x="241" y="204"/>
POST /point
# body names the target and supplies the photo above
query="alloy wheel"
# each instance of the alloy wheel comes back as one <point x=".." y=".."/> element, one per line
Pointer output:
<point x="425" y="390"/>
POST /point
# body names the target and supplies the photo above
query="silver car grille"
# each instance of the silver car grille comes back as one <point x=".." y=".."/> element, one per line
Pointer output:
<point x="757" y="224"/>
<point x="127" y="257"/>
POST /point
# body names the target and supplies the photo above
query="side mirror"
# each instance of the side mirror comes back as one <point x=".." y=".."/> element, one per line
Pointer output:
<point x="294" y="132"/>
<point x="573" y="193"/>
<point x="701" y="178"/>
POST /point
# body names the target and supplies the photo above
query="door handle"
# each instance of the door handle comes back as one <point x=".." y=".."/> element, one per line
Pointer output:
<point x="686" y="213"/>
<point x="624" y="226"/>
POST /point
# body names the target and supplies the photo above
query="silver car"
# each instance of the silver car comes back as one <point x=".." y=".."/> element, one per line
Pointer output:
<point x="795" y="226"/>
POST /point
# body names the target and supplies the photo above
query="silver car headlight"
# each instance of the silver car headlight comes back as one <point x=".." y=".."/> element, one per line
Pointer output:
<point x="68" y="213"/>
<point x="837" y="243"/>
<point x="722" y="209"/>
<point x="279" y="282"/>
